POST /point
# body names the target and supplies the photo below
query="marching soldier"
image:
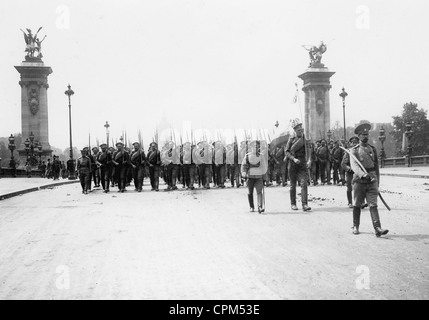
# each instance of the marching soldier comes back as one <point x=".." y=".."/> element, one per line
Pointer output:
<point x="298" y="165"/>
<point x="169" y="160"/>
<point x="366" y="179"/>
<point x="234" y="165"/>
<point x="95" y="168"/>
<point x="219" y="161"/>
<point x="188" y="165"/>
<point x="121" y="160"/>
<point x="113" y="179"/>
<point x="154" y="161"/>
<point x="104" y="162"/>
<point x="84" y="170"/>
<point x="138" y="160"/>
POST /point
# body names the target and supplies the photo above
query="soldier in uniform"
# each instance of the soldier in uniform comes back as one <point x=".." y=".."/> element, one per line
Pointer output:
<point x="234" y="165"/>
<point x="138" y="160"/>
<point x="345" y="164"/>
<point x="95" y="169"/>
<point x="168" y="157"/>
<point x="188" y="165"/>
<point x="323" y="156"/>
<point x="315" y="163"/>
<point x="121" y="161"/>
<point x="365" y="184"/>
<point x="337" y="156"/>
<point x="154" y="161"/>
<point x="298" y="165"/>
<point x="104" y="162"/>
<point x="219" y="161"/>
<point x="83" y="166"/>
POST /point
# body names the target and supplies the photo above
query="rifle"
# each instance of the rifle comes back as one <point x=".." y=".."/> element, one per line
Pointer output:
<point x="352" y="156"/>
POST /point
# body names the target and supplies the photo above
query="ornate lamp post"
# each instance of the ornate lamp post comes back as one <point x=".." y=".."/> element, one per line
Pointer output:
<point x="343" y="95"/>
<point x="12" y="147"/>
<point x="329" y="134"/>
<point x="27" y="148"/>
<point x="107" y="125"/>
<point x="39" y="147"/>
<point x="70" y="163"/>
<point x="382" y="138"/>
<point x="409" y="133"/>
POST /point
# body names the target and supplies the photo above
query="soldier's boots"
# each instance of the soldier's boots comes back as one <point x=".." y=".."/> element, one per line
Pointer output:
<point x="260" y="204"/>
<point x="349" y="199"/>
<point x="356" y="219"/>
<point x="294" y="207"/>
<point x="376" y="222"/>
<point x="251" y="203"/>
<point x="305" y="207"/>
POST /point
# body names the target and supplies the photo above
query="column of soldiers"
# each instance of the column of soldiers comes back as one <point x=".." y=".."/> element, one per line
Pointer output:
<point x="188" y="164"/>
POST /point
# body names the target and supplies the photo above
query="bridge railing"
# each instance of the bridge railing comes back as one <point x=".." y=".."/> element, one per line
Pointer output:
<point x="406" y="161"/>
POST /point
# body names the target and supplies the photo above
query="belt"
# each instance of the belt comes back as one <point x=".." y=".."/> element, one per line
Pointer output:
<point x="371" y="169"/>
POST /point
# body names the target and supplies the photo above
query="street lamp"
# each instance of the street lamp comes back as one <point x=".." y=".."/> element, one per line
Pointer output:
<point x="11" y="145"/>
<point x="409" y="133"/>
<point x="29" y="148"/>
<point x="343" y="95"/>
<point x="39" y="147"/>
<point x="107" y="125"/>
<point x="329" y="134"/>
<point x="382" y="138"/>
<point x="71" y="162"/>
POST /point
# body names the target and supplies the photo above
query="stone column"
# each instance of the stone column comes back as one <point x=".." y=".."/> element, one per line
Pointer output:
<point x="317" y="109"/>
<point x="34" y="105"/>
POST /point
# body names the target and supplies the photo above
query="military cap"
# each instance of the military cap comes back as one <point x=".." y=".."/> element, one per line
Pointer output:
<point x="296" y="124"/>
<point x="103" y="145"/>
<point x="119" y="143"/>
<point x="85" y="149"/>
<point x="153" y="144"/>
<point x="136" y="143"/>
<point x="354" y="138"/>
<point x="362" y="128"/>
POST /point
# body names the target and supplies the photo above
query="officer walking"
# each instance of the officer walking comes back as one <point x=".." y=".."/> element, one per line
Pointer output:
<point x="366" y="179"/>
<point x="298" y="165"/>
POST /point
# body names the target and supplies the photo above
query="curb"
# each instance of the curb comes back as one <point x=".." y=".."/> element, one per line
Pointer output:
<point x="18" y="193"/>
<point x="404" y="175"/>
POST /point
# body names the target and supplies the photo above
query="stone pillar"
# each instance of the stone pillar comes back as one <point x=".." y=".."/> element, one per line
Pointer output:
<point x="317" y="109"/>
<point x="34" y="105"/>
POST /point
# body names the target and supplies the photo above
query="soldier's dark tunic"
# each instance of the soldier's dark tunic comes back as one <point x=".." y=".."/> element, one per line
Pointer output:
<point x="154" y="161"/>
<point x="188" y="166"/>
<point x="338" y="173"/>
<point x="84" y="171"/>
<point x="295" y="148"/>
<point x="122" y="159"/>
<point x="138" y="160"/>
<point x="105" y="160"/>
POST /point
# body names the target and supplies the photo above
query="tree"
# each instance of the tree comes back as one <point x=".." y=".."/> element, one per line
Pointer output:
<point x="420" y="126"/>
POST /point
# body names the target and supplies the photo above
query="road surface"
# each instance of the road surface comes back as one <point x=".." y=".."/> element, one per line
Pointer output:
<point x="205" y="244"/>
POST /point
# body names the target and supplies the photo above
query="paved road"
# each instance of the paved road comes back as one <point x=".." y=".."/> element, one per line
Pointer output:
<point x="60" y="244"/>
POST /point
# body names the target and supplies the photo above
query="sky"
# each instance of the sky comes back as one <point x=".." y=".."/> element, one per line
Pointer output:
<point x="211" y="64"/>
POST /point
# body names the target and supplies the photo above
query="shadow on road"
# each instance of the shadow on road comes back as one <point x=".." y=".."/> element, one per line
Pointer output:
<point x="410" y="237"/>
